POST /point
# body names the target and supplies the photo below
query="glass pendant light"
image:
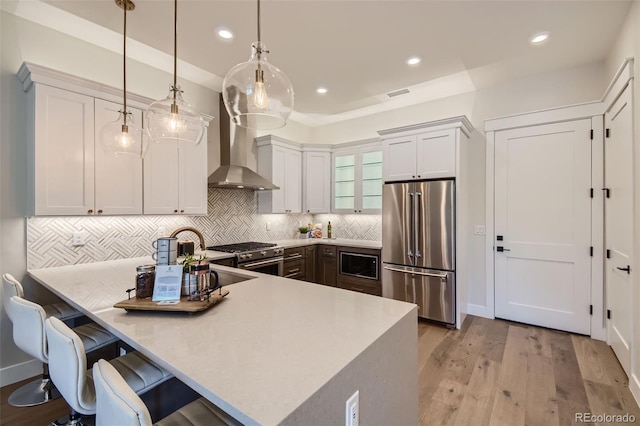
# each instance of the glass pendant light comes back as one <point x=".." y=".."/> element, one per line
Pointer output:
<point x="172" y="119"/>
<point x="257" y="94"/>
<point x="123" y="136"/>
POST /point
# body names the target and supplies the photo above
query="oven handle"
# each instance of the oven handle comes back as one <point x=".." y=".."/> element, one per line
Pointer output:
<point x="271" y="261"/>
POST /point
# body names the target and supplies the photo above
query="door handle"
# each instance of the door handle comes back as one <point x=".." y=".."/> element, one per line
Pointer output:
<point x="425" y="274"/>
<point x="500" y="248"/>
<point x="627" y="269"/>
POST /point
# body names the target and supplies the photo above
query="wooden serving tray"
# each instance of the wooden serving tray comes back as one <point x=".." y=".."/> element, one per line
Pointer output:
<point x="183" y="305"/>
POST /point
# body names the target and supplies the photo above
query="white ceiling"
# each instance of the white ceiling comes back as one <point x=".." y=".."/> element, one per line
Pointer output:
<point x="358" y="49"/>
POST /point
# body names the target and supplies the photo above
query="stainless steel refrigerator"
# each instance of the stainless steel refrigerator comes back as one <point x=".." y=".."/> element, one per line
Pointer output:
<point x="418" y="246"/>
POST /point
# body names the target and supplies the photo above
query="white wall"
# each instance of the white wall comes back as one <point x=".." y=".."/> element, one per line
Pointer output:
<point x="25" y="41"/>
<point x="628" y="45"/>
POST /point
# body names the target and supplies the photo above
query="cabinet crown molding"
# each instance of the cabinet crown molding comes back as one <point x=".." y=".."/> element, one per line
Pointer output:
<point x="461" y="122"/>
<point x="278" y="141"/>
<point x="30" y="73"/>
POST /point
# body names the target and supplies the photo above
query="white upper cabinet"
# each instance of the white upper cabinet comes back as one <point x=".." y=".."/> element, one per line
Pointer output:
<point x="61" y="151"/>
<point x="357" y="179"/>
<point x="175" y="178"/>
<point x="118" y="180"/>
<point x="316" y="174"/>
<point x="424" y="151"/>
<point x="280" y="161"/>
<point x="70" y="173"/>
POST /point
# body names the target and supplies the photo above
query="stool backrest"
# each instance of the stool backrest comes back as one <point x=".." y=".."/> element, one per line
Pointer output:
<point x="10" y="287"/>
<point x="28" y="327"/>
<point x="68" y="366"/>
<point x="116" y="403"/>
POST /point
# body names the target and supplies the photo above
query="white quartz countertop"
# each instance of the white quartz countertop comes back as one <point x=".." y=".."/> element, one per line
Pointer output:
<point x="259" y="354"/>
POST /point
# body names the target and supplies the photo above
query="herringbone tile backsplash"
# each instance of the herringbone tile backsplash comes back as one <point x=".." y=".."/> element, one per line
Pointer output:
<point x="232" y="217"/>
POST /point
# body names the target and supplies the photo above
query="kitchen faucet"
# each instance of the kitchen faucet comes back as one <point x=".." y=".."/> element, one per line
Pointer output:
<point x="190" y="229"/>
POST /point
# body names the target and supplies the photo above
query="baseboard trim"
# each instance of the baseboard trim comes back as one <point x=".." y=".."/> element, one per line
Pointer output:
<point x="634" y="386"/>
<point x="24" y="370"/>
<point x="479" y="311"/>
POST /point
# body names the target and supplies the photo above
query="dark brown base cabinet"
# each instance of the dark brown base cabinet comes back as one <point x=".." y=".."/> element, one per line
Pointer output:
<point x="300" y="263"/>
<point x="327" y="267"/>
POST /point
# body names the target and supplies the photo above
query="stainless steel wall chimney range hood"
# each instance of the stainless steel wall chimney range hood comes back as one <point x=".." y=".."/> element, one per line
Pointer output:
<point x="233" y="171"/>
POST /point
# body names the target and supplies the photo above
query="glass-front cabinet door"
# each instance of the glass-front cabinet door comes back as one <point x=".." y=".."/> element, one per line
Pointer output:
<point x="357" y="180"/>
<point x="371" y="183"/>
<point x="344" y="188"/>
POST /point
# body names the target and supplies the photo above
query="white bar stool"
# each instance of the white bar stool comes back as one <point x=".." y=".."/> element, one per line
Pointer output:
<point x="38" y="391"/>
<point x="29" y="335"/>
<point x="68" y="368"/>
<point x="118" y="405"/>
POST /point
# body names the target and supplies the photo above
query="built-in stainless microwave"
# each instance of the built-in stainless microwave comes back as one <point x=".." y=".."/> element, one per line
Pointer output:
<point x="359" y="265"/>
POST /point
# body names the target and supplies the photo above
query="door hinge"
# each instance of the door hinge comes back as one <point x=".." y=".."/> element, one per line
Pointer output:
<point x="591" y="251"/>
<point x="608" y="254"/>
<point x="591" y="134"/>
<point x="607" y="133"/>
<point x="608" y="313"/>
<point x="590" y="309"/>
<point x="607" y="192"/>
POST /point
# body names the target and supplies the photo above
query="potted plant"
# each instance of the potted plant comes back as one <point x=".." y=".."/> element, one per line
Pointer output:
<point x="303" y="232"/>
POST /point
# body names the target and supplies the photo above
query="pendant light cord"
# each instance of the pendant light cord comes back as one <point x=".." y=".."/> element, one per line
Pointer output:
<point x="124" y="64"/>
<point x="175" y="49"/>
<point x="259" y="40"/>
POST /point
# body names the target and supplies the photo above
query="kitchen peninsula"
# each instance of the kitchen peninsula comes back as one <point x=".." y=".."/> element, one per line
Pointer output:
<point x="275" y="351"/>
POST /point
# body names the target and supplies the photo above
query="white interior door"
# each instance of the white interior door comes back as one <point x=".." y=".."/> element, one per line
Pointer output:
<point x="543" y="215"/>
<point x="618" y="179"/>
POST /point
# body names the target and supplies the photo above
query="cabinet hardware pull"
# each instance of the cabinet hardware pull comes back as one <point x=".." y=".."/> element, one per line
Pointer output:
<point x="175" y="211"/>
<point x="627" y="269"/>
<point x="181" y="211"/>
<point x="292" y="271"/>
<point x="290" y="275"/>
<point x="294" y="256"/>
<point x="99" y="211"/>
<point x="90" y="211"/>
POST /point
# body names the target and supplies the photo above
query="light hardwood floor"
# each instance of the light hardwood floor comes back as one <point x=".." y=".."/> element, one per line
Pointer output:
<point x="494" y="372"/>
<point x="491" y="372"/>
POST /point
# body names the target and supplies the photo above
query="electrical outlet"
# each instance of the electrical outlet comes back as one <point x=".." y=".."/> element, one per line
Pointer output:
<point x="353" y="410"/>
<point x="268" y="226"/>
<point x="79" y="238"/>
<point x="480" y="230"/>
<point x="161" y="232"/>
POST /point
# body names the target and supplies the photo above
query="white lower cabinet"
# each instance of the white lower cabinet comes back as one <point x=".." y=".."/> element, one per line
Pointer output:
<point x="175" y="178"/>
<point x="280" y="162"/>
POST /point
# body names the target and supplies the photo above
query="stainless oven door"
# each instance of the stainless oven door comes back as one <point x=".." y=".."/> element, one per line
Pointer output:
<point x="272" y="266"/>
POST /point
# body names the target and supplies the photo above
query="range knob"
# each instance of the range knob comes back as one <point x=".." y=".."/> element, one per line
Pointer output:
<point x="264" y="253"/>
<point x="243" y="256"/>
<point x="249" y="255"/>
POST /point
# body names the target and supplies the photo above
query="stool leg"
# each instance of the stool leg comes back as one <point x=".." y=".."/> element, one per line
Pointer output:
<point x="37" y="392"/>
<point x="74" y="419"/>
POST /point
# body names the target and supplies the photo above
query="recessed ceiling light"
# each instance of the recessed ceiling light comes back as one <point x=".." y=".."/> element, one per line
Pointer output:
<point x="539" y="38"/>
<point x="225" y="33"/>
<point x="413" y="61"/>
<point x="321" y="90"/>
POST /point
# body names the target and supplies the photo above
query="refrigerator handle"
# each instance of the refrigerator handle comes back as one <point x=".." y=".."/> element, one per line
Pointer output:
<point x="417" y="223"/>
<point x="409" y="220"/>
<point x="426" y="274"/>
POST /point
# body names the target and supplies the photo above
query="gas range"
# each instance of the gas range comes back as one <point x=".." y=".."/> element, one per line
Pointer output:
<point x="255" y="256"/>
